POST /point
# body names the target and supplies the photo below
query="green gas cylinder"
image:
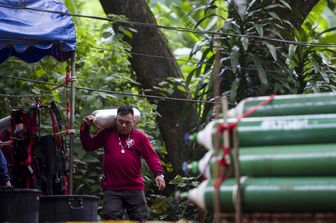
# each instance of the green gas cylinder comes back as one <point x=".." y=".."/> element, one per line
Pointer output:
<point x="279" y="130"/>
<point x="286" y="130"/>
<point x="321" y="103"/>
<point x="273" y="161"/>
<point x="277" y="195"/>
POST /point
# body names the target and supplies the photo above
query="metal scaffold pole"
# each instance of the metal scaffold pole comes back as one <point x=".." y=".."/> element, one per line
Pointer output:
<point x="72" y="121"/>
<point x="237" y="203"/>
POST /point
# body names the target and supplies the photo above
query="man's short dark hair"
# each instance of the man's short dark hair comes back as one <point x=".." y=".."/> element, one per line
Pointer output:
<point x="125" y="110"/>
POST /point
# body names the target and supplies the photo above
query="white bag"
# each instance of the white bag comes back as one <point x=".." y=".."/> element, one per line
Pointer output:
<point x="106" y="118"/>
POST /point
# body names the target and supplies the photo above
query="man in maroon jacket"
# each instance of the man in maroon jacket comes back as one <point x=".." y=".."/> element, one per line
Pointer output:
<point x="124" y="146"/>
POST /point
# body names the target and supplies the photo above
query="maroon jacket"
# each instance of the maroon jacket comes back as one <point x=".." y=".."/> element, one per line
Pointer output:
<point x="122" y="170"/>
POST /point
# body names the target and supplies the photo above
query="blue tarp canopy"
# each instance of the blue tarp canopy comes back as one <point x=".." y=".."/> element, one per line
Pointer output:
<point x="29" y="31"/>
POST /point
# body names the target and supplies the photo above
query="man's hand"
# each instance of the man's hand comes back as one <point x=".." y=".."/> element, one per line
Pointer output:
<point x="160" y="182"/>
<point x="89" y="119"/>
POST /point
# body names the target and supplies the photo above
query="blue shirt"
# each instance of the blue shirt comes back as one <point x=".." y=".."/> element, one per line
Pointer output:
<point x="4" y="175"/>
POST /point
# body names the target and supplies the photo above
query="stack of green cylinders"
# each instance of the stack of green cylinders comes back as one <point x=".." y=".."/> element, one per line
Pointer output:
<point x="287" y="157"/>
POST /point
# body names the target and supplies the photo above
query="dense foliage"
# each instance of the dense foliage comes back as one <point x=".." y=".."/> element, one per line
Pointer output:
<point x="259" y="54"/>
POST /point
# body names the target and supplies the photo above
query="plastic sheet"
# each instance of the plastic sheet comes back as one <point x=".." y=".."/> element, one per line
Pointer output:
<point x="30" y="35"/>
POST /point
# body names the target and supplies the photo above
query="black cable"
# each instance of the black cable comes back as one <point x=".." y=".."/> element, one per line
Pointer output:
<point x="32" y="40"/>
<point x="181" y="29"/>
<point x="22" y="95"/>
<point x="182" y="60"/>
<point x="28" y="80"/>
<point x="154" y="56"/>
<point x="108" y="91"/>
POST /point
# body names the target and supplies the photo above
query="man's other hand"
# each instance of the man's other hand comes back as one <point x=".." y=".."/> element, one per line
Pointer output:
<point x="160" y="182"/>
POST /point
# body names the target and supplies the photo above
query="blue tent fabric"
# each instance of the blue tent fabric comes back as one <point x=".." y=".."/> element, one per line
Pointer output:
<point x="32" y="34"/>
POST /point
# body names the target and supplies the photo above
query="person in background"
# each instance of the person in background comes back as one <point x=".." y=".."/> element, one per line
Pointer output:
<point x="124" y="146"/>
<point x="4" y="175"/>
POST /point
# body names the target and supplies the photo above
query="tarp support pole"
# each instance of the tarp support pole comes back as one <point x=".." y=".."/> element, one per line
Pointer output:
<point x="72" y="120"/>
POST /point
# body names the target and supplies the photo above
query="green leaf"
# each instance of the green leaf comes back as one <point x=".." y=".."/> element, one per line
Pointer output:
<point x="128" y="33"/>
<point x="259" y="29"/>
<point x="163" y="83"/>
<point x="291" y="50"/>
<point x="181" y="88"/>
<point x="286" y="4"/>
<point x="245" y="43"/>
<point x="261" y="71"/>
<point x="315" y="64"/>
<point x="272" y="50"/>
<point x="233" y="90"/>
<point x="328" y="31"/>
<point x="242" y="11"/>
<point x="234" y="58"/>
<point x="328" y="39"/>
<point x="274" y="15"/>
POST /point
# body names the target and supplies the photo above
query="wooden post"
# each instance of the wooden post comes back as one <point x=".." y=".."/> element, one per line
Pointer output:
<point x="72" y="121"/>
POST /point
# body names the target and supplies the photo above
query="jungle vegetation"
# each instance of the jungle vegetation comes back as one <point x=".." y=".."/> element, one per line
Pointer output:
<point x="173" y="72"/>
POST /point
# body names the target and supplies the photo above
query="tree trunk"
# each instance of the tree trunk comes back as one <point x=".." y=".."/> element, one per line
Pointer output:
<point x="300" y="7"/>
<point x="151" y="71"/>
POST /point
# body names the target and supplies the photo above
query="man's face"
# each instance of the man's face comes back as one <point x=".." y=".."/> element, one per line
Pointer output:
<point x="125" y="123"/>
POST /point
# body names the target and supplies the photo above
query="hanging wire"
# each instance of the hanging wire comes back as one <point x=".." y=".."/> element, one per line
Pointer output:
<point x="157" y="56"/>
<point x="162" y="57"/>
<point x="109" y="91"/>
<point x="184" y="60"/>
<point x="148" y="55"/>
<point x="22" y="95"/>
<point x="181" y="29"/>
<point x="172" y="58"/>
